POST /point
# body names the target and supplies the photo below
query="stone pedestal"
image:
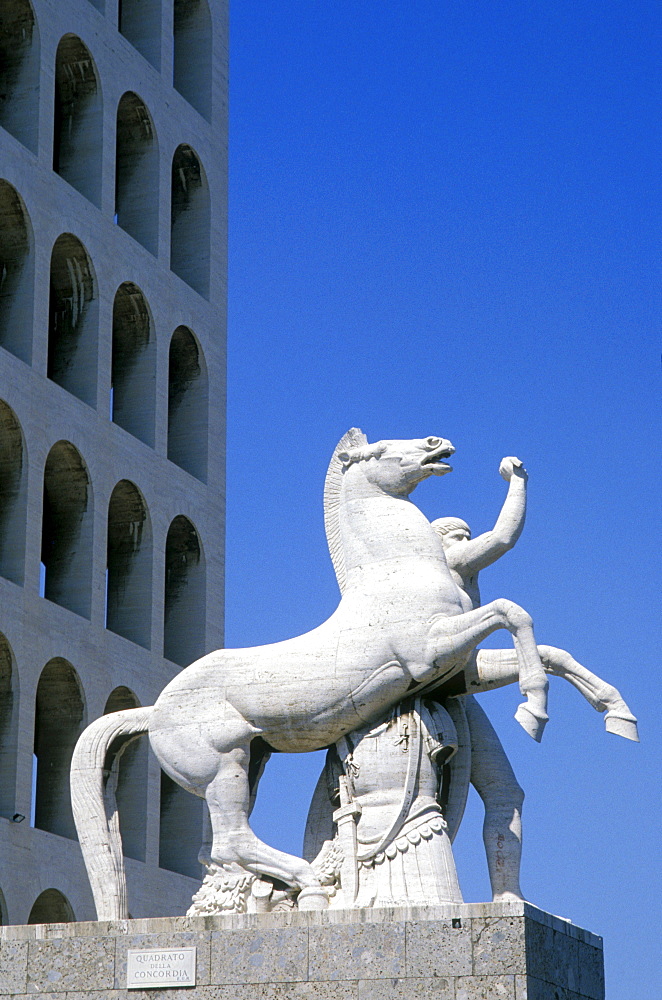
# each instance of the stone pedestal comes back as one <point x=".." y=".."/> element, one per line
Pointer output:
<point x="471" y="951"/>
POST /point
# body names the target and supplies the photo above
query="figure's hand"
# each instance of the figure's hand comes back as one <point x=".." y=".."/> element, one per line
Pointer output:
<point x="511" y="466"/>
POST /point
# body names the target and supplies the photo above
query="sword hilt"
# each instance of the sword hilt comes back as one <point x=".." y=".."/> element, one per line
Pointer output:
<point x="350" y="810"/>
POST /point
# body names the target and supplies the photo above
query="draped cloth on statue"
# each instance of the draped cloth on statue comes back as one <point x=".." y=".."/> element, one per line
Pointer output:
<point x="393" y="767"/>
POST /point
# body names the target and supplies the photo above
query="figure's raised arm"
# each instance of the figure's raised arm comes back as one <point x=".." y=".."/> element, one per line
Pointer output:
<point x="477" y="553"/>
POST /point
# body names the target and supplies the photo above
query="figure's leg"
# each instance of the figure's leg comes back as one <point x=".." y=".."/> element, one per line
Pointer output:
<point x="493" y="668"/>
<point x="458" y="635"/>
<point x="494" y="780"/>
<point x="228" y="798"/>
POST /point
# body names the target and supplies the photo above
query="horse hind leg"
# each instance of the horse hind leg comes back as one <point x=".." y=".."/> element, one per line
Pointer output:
<point x="493" y="668"/>
<point x="619" y="720"/>
<point x="234" y="843"/>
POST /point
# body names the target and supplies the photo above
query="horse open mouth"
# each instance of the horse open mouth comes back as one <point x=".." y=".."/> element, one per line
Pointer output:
<point x="434" y="461"/>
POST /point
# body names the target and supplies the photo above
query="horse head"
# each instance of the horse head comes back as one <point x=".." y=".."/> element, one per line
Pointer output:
<point x="397" y="467"/>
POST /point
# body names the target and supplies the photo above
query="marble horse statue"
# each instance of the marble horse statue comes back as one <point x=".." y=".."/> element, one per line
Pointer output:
<point x="400" y="627"/>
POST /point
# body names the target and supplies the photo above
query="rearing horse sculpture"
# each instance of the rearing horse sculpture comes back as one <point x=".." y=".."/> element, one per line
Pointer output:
<point x="399" y="628"/>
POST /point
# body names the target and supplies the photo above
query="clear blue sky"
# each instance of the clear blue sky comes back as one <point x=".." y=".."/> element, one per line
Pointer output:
<point x="444" y="219"/>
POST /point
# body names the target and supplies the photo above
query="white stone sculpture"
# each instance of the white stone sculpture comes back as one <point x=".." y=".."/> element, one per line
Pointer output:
<point x="400" y="626"/>
<point x="376" y="780"/>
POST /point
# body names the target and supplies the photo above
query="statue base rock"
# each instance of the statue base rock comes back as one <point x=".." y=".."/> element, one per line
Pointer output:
<point x="459" y="951"/>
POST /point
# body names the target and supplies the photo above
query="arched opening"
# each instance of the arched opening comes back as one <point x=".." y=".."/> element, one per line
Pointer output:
<point x="188" y="404"/>
<point x="189" y="220"/>
<point x="129" y="565"/>
<point x="137" y="172"/>
<point x="16" y="274"/>
<point x="13" y="496"/>
<point x="140" y="23"/>
<point x="185" y="594"/>
<point x="59" y="721"/>
<point x="133" y="373"/>
<point x="192" y="53"/>
<point x="51" y="907"/>
<point x="19" y="72"/>
<point x="131" y="787"/>
<point x="180" y="830"/>
<point x="66" y="534"/>
<point x="77" y="119"/>
<point x="8" y="729"/>
<point x="73" y="320"/>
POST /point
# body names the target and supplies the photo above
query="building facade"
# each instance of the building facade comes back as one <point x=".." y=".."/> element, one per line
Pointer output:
<point x="113" y="234"/>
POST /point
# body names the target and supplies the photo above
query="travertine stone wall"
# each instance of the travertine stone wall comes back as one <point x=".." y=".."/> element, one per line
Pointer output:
<point x="98" y="128"/>
<point x="487" y="951"/>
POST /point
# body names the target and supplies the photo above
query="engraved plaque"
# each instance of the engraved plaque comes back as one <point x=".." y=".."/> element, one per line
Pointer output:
<point x="154" y="967"/>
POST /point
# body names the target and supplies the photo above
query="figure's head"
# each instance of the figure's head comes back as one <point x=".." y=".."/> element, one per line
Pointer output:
<point x="451" y="530"/>
<point x="397" y="467"/>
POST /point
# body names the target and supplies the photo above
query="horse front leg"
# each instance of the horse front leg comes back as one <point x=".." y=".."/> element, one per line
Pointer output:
<point x="451" y="638"/>
<point x="234" y="843"/>
<point x="493" y="668"/>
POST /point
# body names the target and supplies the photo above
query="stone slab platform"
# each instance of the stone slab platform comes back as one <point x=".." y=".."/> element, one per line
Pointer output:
<point x="470" y="951"/>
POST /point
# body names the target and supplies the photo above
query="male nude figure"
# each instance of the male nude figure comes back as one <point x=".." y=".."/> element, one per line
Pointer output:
<point x="491" y="773"/>
<point x="492" y="668"/>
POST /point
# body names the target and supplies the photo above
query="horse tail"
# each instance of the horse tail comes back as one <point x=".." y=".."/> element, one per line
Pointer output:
<point x="94" y="773"/>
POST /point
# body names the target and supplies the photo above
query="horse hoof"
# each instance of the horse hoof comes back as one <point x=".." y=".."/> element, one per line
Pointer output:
<point x="531" y="723"/>
<point x="313" y="897"/>
<point x="622" y="725"/>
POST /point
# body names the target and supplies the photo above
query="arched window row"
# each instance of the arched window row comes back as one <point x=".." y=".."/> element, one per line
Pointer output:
<point x="136" y="194"/>
<point x="66" y="550"/>
<point x="73" y="338"/>
<point x="77" y="148"/>
<point x="73" y="329"/>
<point x="78" y="128"/>
<point x="66" y="559"/>
<point x="67" y="533"/>
<point x="139" y="21"/>
<point x="78" y="124"/>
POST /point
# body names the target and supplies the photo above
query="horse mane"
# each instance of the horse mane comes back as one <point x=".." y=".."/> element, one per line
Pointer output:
<point x="354" y="438"/>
